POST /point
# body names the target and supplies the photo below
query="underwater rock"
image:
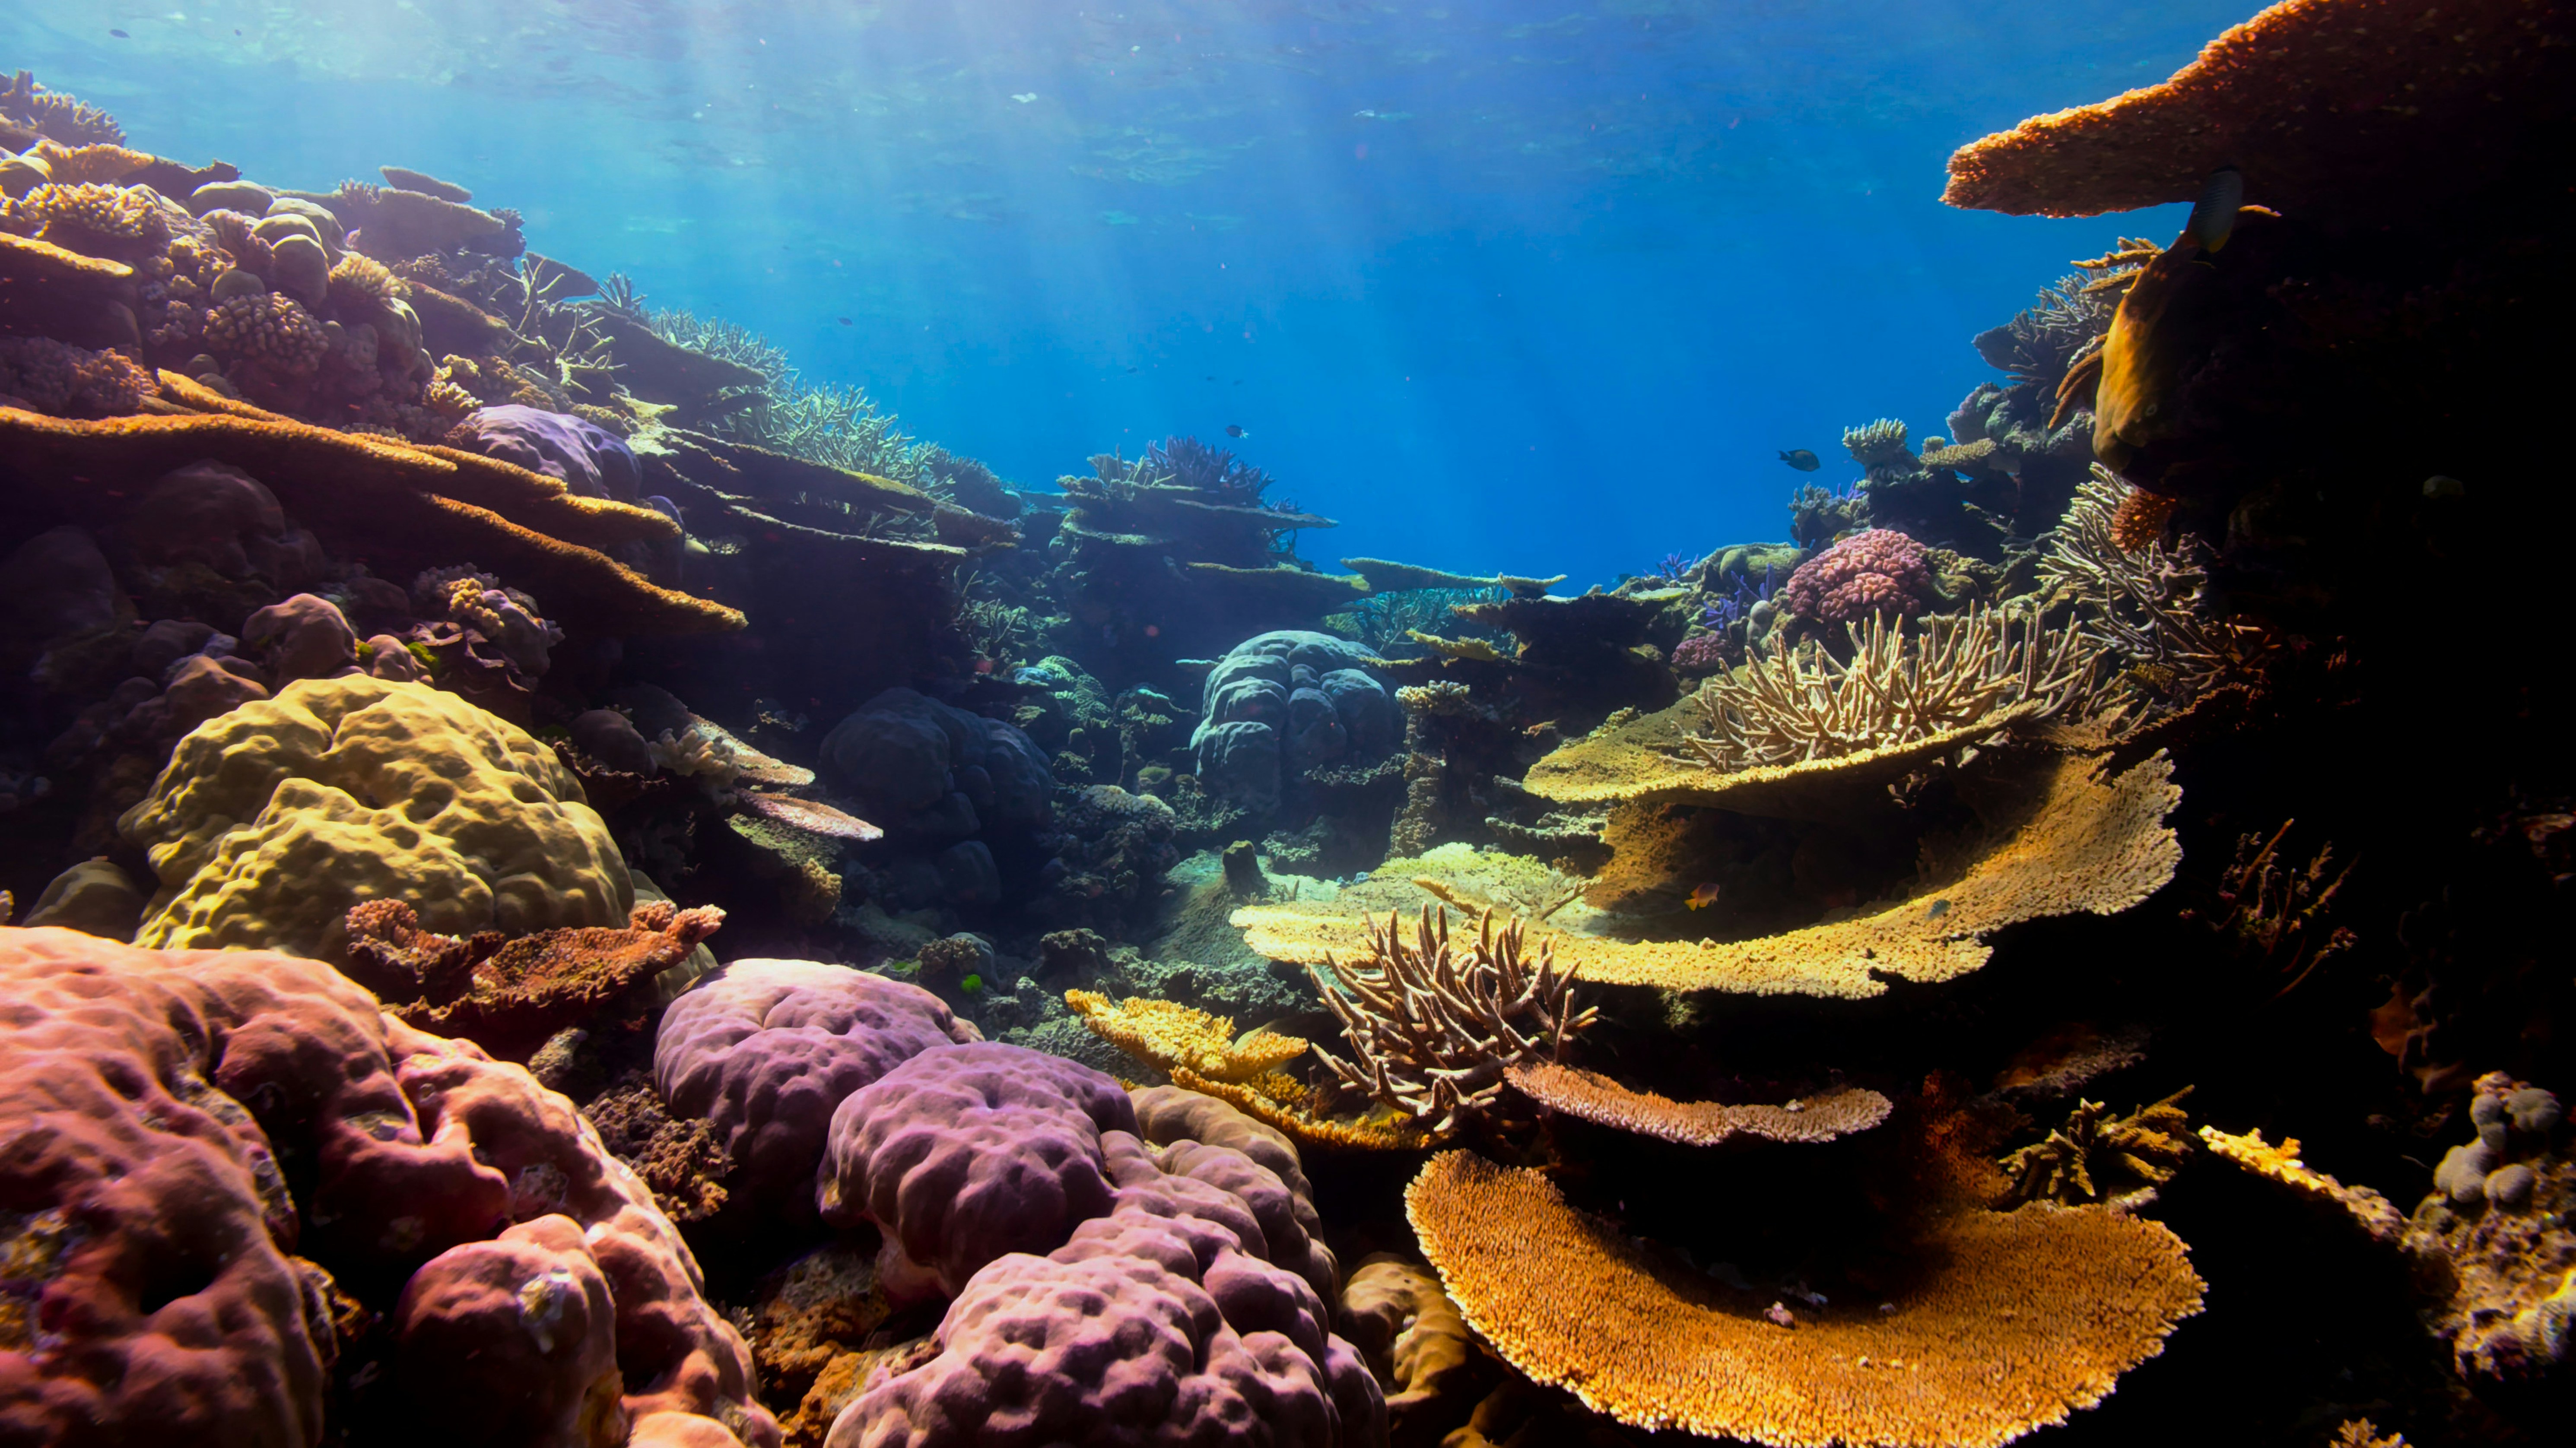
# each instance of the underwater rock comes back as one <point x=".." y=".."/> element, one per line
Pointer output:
<point x="1281" y="704"/>
<point x="919" y="766"/>
<point x="592" y="461"/>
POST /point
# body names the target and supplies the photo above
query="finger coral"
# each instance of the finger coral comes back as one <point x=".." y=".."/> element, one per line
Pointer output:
<point x="2144" y="1147"/>
<point x="2022" y="1318"/>
<point x="1165" y="1034"/>
<point x="271" y="329"/>
<point x="1873" y="572"/>
<point x="1435" y="1027"/>
<point x="273" y="820"/>
<point x="56" y="116"/>
<point x="1598" y="1099"/>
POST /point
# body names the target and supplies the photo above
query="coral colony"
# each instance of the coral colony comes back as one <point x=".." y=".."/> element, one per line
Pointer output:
<point x="1084" y="973"/>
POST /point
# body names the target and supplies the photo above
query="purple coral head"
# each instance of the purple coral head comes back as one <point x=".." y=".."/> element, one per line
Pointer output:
<point x="1875" y="571"/>
<point x="590" y="460"/>
<point x="965" y="1153"/>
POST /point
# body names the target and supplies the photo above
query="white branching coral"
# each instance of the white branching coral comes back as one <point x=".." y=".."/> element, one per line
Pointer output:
<point x="1905" y="683"/>
<point x="1434" y="1023"/>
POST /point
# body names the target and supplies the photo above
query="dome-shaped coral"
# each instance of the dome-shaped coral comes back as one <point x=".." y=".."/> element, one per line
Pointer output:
<point x="268" y="328"/>
<point x="1877" y="571"/>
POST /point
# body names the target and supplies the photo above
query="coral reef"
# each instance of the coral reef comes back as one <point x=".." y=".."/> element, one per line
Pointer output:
<point x="1168" y="1036"/>
<point x="1605" y="1102"/>
<point x="1869" y="574"/>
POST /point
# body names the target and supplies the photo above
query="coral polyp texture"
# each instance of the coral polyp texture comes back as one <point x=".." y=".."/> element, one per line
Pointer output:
<point x="1877" y="571"/>
<point x="1602" y="1101"/>
<point x="2020" y="1319"/>
<point x="272" y="821"/>
<point x="220" y="1153"/>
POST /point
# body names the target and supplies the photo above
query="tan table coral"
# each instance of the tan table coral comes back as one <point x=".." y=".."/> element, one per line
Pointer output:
<point x="2083" y="844"/>
<point x="2026" y="1317"/>
<point x="271" y="821"/>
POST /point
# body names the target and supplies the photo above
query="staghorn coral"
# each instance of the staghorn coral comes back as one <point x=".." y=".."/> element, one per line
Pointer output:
<point x="273" y="820"/>
<point x="1602" y="1101"/>
<point x="1872" y="444"/>
<point x="1945" y="675"/>
<point x="56" y="116"/>
<point x="1434" y="1027"/>
<point x="2043" y="340"/>
<point x="1165" y="1034"/>
<point x="2297" y="98"/>
<point x="2275" y="912"/>
<point x="2020" y="1319"/>
<point x="2147" y="608"/>
<point x="2145" y="1146"/>
<point x="1868" y="574"/>
<point x="2363" y="1433"/>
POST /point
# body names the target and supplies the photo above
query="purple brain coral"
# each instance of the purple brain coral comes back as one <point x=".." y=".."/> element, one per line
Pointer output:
<point x="766" y="1050"/>
<point x="1871" y="572"/>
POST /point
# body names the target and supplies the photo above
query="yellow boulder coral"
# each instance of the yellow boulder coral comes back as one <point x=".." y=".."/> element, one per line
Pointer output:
<point x="272" y="820"/>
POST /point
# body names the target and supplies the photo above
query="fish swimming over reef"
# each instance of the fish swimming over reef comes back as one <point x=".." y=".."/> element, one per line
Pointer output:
<point x="1236" y="429"/>
<point x="1801" y="459"/>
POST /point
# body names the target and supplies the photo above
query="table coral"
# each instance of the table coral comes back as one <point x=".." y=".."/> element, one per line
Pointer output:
<point x="1598" y="1099"/>
<point x="2297" y="98"/>
<point x="183" y="1121"/>
<point x="1164" y="1034"/>
<point x="271" y="821"/>
<point x="2022" y="1318"/>
<point x="965" y="1153"/>
<point x="1872" y="572"/>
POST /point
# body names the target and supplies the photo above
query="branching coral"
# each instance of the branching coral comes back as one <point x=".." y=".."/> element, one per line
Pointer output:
<point x="1434" y="1026"/>
<point x="61" y="212"/>
<point x="2276" y="911"/>
<point x="2145" y="1146"/>
<point x="55" y="115"/>
<point x="1902" y="685"/>
<point x="2146" y="607"/>
<point x="1166" y="1035"/>
<point x="2043" y="340"/>
<point x="1874" y="443"/>
<point x="55" y="377"/>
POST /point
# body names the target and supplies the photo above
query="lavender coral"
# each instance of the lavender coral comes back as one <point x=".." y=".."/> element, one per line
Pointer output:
<point x="1872" y="572"/>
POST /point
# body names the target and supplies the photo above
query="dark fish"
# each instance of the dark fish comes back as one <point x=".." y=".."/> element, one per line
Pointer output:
<point x="121" y="35"/>
<point x="1131" y="369"/>
<point x="1702" y="897"/>
<point x="844" y="321"/>
<point x="1235" y="429"/>
<point x="1801" y="459"/>
<point x="2213" y="216"/>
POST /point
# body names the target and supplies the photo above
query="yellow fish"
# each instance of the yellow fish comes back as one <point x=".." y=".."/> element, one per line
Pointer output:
<point x="1702" y="897"/>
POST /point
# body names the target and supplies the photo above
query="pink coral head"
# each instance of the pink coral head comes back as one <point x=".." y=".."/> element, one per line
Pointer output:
<point x="1871" y="572"/>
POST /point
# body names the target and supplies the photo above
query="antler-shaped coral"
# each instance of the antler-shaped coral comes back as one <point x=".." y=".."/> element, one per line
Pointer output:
<point x="1434" y="1027"/>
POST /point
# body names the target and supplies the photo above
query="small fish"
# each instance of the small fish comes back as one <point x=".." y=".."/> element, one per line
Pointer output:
<point x="844" y="321"/>
<point x="1801" y="459"/>
<point x="1702" y="897"/>
<point x="1211" y="377"/>
<point x="1024" y="97"/>
<point x="2213" y="216"/>
<point x="1131" y="369"/>
<point x="1779" y="1313"/>
<point x="1939" y="909"/>
<point x="1236" y="429"/>
<point x="121" y="35"/>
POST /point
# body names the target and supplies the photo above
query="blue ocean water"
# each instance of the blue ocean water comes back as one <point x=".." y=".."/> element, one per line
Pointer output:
<point x="1539" y="287"/>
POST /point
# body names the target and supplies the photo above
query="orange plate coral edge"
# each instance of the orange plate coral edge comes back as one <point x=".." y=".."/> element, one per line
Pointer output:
<point x="2027" y="1316"/>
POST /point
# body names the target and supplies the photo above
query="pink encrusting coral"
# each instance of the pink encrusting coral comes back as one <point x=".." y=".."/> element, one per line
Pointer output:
<point x="1871" y="572"/>
<point x="210" y="1152"/>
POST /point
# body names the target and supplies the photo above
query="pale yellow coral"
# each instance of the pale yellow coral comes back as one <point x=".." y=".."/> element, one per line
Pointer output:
<point x="1173" y="1037"/>
<point x="271" y="821"/>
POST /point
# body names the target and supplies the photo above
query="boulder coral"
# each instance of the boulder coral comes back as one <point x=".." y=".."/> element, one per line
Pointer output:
<point x="271" y="821"/>
<point x="1283" y="703"/>
<point x="218" y="1157"/>
<point x="1877" y="571"/>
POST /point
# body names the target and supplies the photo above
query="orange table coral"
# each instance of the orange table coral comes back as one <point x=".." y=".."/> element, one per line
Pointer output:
<point x="2319" y="102"/>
